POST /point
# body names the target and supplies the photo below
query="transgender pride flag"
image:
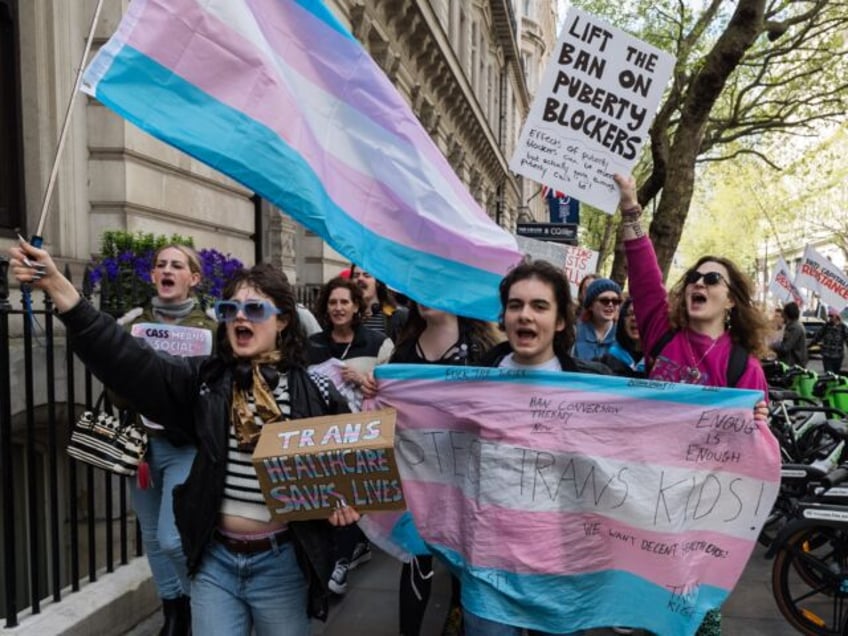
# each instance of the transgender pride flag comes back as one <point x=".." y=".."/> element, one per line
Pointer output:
<point x="279" y="96"/>
<point x="569" y="501"/>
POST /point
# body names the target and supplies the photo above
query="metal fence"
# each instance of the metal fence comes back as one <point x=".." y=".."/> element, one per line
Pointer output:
<point x="62" y="521"/>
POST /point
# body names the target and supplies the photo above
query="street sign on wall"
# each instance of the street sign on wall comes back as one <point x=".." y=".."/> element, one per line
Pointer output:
<point x="563" y="209"/>
<point x="556" y="232"/>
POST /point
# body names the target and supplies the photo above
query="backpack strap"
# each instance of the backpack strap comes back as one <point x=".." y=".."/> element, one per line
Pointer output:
<point x="656" y="350"/>
<point x="736" y="363"/>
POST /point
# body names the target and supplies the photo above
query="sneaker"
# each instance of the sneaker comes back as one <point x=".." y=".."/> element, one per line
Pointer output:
<point x="361" y="554"/>
<point x="338" y="579"/>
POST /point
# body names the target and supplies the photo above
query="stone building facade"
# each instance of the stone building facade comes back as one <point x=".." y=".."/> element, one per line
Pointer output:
<point x="462" y="65"/>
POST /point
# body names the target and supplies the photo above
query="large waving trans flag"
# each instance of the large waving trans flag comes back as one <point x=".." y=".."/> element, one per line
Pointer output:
<point x="278" y="95"/>
<point x="570" y="501"/>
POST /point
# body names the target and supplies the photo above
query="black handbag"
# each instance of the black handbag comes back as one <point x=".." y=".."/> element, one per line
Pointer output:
<point x="104" y="441"/>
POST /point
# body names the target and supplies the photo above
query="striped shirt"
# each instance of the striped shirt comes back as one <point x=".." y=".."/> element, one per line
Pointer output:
<point x="242" y="493"/>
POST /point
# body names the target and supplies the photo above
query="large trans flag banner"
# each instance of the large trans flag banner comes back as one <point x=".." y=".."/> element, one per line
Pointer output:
<point x="278" y="95"/>
<point x="566" y="501"/>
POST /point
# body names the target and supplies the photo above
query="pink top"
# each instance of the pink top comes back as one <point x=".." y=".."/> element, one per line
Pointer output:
<point x="687" y="350"/>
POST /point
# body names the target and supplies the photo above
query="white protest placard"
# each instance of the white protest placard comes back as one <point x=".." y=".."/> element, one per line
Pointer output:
<point x="594" y="106"/>
<point x="781" y="284"/>
<point x="819" y="275"/>
<point x="185" y="342"/>
<point x="574" y="260"/>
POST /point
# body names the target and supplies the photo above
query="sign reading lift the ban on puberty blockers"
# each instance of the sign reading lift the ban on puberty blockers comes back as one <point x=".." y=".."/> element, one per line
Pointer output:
<point x="308" y="467"/>
<point x="592" y="111"/>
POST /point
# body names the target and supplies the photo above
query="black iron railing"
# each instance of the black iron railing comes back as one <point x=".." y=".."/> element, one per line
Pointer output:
<point x="56" y="513"/>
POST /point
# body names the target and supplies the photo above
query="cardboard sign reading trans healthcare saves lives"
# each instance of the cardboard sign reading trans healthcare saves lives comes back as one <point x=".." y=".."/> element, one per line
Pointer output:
<point x="306" y="467"/>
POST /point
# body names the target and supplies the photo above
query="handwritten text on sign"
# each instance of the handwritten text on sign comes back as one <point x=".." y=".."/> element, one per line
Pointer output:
<point x="630" y="489"/>
<point x="307" y="467"/>
<point x="575" y="261"/>
<point x="592" y="111"/>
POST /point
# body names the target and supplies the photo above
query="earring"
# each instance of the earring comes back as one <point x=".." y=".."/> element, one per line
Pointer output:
<point x="727" y="314"/>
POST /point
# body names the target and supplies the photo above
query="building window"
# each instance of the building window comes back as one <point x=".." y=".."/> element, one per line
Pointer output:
<point x="528" y="9"/>
<point x="10" y="155"/>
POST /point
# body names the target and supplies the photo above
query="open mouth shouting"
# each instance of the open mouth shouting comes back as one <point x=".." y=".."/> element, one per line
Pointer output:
<point x="243" y="333"/>
<point x="697" y="301"/>
<point x="525" y="337"/>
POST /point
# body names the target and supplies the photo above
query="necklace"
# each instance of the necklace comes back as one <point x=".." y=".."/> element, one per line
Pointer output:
<point x="423" y="355"/>
<point x="347" y="348"/>
<point x="693" y="373"/>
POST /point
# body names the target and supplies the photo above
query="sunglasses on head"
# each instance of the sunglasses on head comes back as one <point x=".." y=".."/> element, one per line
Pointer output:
<point x="606" y="302"/>
<point x="710" y="278"/>
<point x="253" y="310"/>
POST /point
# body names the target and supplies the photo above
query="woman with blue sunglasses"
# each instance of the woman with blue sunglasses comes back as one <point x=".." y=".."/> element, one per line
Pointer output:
<point x="693" y="332"/>
<point x="250" y="573"/>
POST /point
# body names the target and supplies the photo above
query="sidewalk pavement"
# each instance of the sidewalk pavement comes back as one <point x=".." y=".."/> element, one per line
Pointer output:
<point x="370" y="607"/>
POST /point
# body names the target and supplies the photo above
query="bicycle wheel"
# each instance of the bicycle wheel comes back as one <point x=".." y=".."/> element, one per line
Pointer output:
<point x="810" y="580"/>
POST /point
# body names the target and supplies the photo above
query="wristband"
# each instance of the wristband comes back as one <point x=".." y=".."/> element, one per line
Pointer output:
<point x="632" y="213"/>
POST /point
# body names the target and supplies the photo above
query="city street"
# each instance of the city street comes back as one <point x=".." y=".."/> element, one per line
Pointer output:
<point x="370" y="606"/>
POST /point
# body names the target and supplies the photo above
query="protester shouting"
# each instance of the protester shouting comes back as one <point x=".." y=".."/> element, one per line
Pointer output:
<point x="176" y="274"/>
<point x="250" y="572"/>
<point x="538" y="318"/>
<point x="706" y="331"/>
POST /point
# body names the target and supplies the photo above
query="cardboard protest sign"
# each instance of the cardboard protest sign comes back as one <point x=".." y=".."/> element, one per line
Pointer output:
<point x="574" y="260"/>
<point x="175" y="339"/>
<point x="591" y="114"/>
<point x="781" y="284"/>
<point x="819" y="275"/>
<point x="544" y="489"/>
<point x="307" y="467"/>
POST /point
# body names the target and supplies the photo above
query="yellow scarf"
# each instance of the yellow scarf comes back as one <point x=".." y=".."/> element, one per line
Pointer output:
<point x="267" y="410"/>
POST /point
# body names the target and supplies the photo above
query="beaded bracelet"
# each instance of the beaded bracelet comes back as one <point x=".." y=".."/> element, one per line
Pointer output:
<point x="632" y="213"/>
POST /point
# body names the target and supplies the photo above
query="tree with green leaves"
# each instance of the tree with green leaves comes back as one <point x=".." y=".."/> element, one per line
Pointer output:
<point x="745" y="72"/>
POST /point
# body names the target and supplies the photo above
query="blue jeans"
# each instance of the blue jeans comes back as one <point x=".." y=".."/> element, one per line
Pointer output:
<point x="154" y="507"/>
<point x="479" y="626"/>
<point x="232" y="593"/>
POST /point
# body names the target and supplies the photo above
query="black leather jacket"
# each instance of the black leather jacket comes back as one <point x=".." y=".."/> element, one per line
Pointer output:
<point x="194" y="395"/>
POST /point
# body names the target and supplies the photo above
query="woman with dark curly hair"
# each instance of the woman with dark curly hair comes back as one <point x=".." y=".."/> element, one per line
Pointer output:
<point x="251" y="573"/>
<point x="705" y="321"/>
<point x="347" y="341"/>
<point x="340" y="309"/>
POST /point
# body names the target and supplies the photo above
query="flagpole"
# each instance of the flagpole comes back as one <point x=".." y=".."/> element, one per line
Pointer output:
<point x="38" y="239"/>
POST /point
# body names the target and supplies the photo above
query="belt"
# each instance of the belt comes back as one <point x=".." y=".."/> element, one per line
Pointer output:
<point x="251" y="546"/>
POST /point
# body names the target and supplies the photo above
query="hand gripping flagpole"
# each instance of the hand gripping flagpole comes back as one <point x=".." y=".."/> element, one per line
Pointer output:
<point x="37" y="239"/>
